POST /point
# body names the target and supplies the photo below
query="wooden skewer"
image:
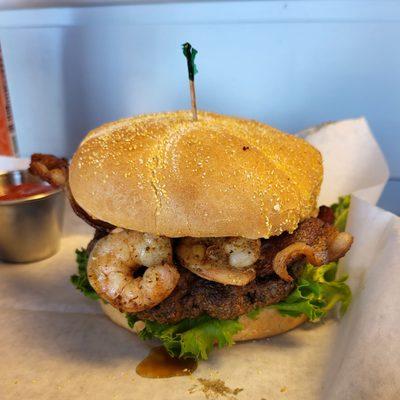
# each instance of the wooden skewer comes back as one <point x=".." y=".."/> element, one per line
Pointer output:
<point x="190" y="54"/>
<point x="193" y="100"/>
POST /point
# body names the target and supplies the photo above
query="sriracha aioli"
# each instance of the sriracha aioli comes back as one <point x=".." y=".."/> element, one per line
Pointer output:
<point x="15" y="192"/>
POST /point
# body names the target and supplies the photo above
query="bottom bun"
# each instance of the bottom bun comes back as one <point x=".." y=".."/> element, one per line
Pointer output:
<point x="268" y="323"/>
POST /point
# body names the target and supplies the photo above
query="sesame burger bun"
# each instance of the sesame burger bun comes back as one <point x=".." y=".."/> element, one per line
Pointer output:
<point x="219" y="176"/>
<point x="268" y="323"/>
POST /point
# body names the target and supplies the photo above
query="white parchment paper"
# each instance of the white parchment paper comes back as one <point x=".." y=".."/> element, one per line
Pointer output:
<point x="56" y="344"/>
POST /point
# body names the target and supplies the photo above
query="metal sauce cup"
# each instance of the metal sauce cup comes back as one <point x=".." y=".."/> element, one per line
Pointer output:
<point x="31" y="227"/>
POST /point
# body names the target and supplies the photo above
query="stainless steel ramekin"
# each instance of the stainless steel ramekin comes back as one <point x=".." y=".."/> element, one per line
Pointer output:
<point x="30" y="228"/>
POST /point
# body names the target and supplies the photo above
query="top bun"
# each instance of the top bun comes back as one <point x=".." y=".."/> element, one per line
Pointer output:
<point x="219" y="176"/>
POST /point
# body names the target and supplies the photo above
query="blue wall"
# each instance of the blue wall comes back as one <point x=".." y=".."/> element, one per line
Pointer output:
<point x="289" y="63"/>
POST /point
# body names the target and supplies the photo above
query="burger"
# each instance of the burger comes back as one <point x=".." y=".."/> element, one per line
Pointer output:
<point x="206" y="232"/>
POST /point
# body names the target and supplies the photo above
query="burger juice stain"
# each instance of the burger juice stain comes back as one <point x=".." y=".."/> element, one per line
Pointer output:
<point x="159" y="364"/>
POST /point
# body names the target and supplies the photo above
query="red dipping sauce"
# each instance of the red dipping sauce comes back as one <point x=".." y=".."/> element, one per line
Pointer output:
<point x="15" y="192"/>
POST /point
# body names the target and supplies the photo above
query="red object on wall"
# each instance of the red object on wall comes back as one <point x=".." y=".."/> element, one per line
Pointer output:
<point x="7" y="131"/>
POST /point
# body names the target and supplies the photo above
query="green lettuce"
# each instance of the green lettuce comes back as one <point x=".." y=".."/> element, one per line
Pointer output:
<point x="341" y="211"/>
<point x="190" y="338"/>
<point x="317" y="291"/>
<point x="80" y="280"/>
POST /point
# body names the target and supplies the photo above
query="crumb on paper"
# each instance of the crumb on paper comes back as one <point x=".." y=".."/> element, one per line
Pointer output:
<point x="214" y="373"/>
<point x="283" y="389"/>
<point x="214" y="389"/>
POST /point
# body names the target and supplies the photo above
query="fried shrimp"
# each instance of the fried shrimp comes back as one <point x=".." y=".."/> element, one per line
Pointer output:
<point x="225" y="260"/>
<point x="115" y="264"/>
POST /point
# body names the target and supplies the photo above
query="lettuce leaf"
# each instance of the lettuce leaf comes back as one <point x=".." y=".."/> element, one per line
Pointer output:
<point x="80" y="280"/>
<point x="317" y="291"/>
<point x="191" y="338"/>
<point x="341" y="211"/>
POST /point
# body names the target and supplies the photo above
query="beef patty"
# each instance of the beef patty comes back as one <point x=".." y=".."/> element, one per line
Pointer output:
<point x="195" y="296"/>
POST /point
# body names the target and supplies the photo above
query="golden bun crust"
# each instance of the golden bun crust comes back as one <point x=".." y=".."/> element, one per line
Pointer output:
<point x="220" y="176"/>
<point x="268" y="323"/>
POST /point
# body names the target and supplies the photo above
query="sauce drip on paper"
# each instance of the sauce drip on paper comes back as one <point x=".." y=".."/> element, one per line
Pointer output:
<point x="159" y="364"/>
